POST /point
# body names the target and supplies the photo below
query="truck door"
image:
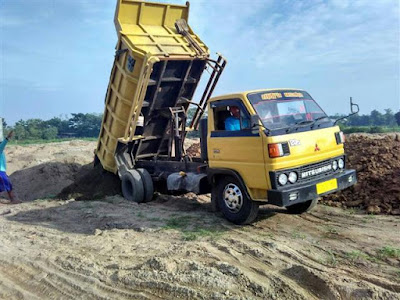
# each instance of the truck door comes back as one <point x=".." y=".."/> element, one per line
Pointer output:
<point x="232" y="145"/>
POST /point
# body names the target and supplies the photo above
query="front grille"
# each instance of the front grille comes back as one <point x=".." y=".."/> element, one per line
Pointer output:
<point x="313" y="167"/>
<point x="314" y="171"/>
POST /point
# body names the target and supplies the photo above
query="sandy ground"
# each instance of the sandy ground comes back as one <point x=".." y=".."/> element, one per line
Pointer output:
<point x="174" y="247"/>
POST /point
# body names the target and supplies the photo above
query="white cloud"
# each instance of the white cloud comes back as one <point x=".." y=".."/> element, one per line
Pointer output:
<point x="305" y="33"/>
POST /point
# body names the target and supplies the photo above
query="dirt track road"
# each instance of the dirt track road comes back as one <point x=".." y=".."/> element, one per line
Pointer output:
<point x="175" y="248"/>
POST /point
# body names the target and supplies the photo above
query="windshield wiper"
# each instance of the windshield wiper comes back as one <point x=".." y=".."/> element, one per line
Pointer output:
<point x="318" y="119"/>
<point x="299" y="124"/>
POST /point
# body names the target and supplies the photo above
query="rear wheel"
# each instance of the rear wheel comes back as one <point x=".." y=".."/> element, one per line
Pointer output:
<point x="132" y="186"/>
<point x="147" y="184"/>
<point x="300" y="208"/>
<point x="233" y="202"/>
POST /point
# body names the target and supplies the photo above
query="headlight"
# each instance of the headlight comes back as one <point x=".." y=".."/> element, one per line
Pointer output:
<point x="282" y="179"/>
<point x="334" y="165"/>
<point x="292" y="177"/>
<point x="341" y="163"/>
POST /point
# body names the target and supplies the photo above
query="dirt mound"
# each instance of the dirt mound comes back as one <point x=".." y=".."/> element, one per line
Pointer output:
<point x="194" y="150"/>
<point x="44" y="180"/>
<point x="376" y="158"/>
<point x="92" y="183"/>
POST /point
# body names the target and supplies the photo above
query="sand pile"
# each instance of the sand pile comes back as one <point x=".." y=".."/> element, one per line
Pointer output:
<point x="40" y="171"/>
<point x="43" y="181"/>
<point x="376" y="158"/>
<point x="92" y="183"/>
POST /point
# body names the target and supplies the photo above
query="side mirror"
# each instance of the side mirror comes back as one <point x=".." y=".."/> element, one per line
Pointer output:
<point x="352" y="105"/>
<point x="254" y="124"/>
<point x="353" y="111"/>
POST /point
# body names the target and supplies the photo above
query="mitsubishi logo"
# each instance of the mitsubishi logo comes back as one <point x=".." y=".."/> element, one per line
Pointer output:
<point x="316" y="148"/>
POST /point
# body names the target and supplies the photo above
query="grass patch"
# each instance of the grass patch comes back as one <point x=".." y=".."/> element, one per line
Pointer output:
<point x="178" y="222"/>
<point x="40" y="141"/>
<point x="354" y="255"/>
<point x="388" y="251"/>
<point x="331" y="260"/>
<point x="352" y="210"/>
<point x="154" y="219"/>
<point x="330" y="230"/>
<point x="192" y="235"/>
<point x="298" y="235"/>
<point x="357" y="255"/>
<point x="190" y="232"/>
<point x="269" y="235"/>
<point x="369" y="129"/>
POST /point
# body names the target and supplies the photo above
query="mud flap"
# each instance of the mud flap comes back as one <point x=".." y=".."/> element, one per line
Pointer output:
<point x="214" y="200"/>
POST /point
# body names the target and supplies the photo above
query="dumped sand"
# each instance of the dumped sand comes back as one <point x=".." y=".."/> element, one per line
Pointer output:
<point x="174" y="247"/>
<point x="42" y="171"/>
<point x="92" y="183"/>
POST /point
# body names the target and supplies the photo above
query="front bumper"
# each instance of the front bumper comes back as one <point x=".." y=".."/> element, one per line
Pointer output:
<point x="308" y="191"/>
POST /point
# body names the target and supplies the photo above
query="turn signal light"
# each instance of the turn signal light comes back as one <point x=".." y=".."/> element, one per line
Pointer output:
<point x="278" y="150"/>
<point x="340" y="139"/>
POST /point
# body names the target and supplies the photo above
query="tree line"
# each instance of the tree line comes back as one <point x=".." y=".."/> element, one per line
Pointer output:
<point x="77" y="126"/>
<point x="375" y="118"/>
<point x="88" y="125"/>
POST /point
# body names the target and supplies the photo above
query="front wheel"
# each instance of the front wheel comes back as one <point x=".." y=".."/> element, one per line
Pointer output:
<point x="233" y="202"/>
<point x="300" y="208"/>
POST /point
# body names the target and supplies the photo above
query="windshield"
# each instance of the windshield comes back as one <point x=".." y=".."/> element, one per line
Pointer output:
<point x="283" y="109"/>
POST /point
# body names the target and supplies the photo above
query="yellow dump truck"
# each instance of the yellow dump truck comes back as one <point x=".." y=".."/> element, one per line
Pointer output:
<point x="270" y="146"/>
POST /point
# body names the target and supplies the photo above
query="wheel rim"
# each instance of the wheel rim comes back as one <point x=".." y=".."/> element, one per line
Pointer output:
<point x="233" y="197"/>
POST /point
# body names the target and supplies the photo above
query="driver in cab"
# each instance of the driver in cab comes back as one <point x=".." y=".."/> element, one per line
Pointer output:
<point x="232" y="123"/>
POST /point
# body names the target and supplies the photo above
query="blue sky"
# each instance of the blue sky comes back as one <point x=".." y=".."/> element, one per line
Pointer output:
<point x="56" y="56"/>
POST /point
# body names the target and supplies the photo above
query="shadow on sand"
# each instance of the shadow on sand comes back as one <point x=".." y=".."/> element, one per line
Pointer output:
<point x="184" y="213"/>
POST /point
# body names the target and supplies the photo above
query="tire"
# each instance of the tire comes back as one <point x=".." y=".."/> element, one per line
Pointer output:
<point x="233" y="202"/>
<point x="96" y="160"/>
<point x="300" y="208"/>
<point x="147" y="184"/>
<point x="132" y="186"/>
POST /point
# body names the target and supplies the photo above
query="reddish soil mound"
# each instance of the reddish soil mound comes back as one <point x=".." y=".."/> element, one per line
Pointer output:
<point x="194" y="150"/>
<point x="92" y="183"/>
<point x="376" y="158"/>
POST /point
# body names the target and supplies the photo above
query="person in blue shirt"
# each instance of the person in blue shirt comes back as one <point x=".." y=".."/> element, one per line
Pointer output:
<point x="5" y="183"/>
<point x="233" y="122"/>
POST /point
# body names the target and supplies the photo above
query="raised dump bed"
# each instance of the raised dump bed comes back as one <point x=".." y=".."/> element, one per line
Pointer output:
<point x="156" y="68"/>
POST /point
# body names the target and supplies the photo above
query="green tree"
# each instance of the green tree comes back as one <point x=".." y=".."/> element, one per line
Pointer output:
<point x="62" y="126"/>
<point x="50" y="133"/>
<point x="377" y="118"/>
<point x="85" y="125"/>
<point x="389" y="118"/>
<point x="20" y="133"/>
<point x="397" y="117"/>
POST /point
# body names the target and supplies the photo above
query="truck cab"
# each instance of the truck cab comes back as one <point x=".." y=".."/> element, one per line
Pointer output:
<point x="284" y="151"/>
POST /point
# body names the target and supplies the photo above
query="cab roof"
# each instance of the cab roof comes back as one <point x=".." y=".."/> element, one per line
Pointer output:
<point x="245" y="93"/>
